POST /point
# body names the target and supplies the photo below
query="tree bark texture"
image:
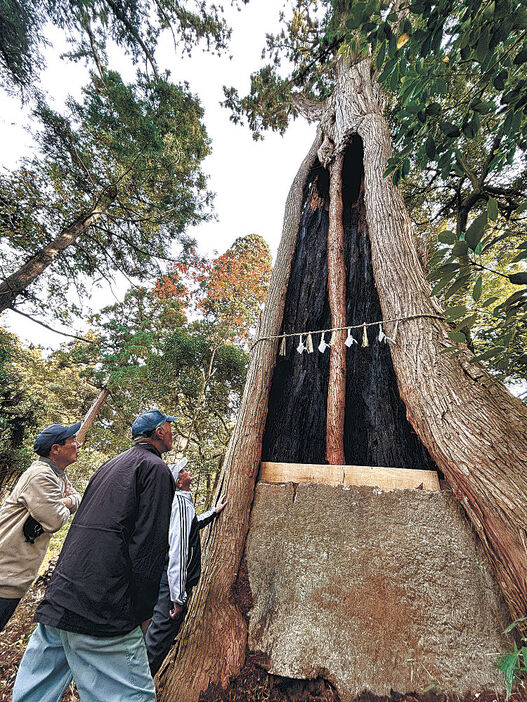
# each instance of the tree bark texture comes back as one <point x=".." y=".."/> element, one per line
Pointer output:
<point x="15" y="284"/>
<point x="474" y="429"/>
<point x="336" y="402"/>
<point x="211" y="645"/>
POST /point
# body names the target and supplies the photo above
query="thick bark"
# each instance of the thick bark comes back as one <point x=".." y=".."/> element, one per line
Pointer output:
<point x="15" y="284"/>
<point x="474" y="429"/>
<point x="211" y="645"/>
<point x="336" y="404"/>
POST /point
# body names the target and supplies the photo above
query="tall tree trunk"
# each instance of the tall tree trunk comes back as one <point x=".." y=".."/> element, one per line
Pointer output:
<point x="211" y="645"/>
<point x="14" y="285"/>
<point x="474" y="429"/>
<point x="337" y="302"/>
<point x="91" y="414"/>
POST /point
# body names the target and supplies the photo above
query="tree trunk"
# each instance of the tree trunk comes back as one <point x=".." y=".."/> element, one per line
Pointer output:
<point x="91" y="414"/>
<point x="337" y="302"/>
<point x="474" y="429"/>
<point x="211" y="645"/>
<point x="15" y="284"/>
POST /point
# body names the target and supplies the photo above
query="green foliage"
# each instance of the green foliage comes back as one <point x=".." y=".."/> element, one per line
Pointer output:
<point x="134" y="25"/>
<point x="454" y="77"/>
<point x="149" y="353"/>
<point x="132" y="150"/>
<point x="17" y="412"/>
<point x="513" y="664"/>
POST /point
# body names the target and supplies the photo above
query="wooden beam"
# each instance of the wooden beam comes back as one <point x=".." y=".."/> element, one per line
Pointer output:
<point x="384" y="478"/>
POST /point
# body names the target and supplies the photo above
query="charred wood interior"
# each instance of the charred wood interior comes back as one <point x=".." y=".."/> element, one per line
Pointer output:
<point x="376" y="429"/>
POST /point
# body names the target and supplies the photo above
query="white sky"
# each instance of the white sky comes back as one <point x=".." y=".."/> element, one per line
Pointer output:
<point x="251" y="179"/>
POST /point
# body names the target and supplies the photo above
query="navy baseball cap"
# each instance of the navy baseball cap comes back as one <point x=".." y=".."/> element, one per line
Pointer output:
<point x="52" y="435"/>
<point x="148" y="421"/>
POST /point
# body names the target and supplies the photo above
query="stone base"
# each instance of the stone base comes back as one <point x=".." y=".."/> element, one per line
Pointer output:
<point x="374" y="591"/>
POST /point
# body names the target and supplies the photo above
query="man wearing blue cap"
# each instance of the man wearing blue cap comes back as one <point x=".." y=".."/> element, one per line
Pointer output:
<point x="40" y="504"/>
<point x="105" y="585"/>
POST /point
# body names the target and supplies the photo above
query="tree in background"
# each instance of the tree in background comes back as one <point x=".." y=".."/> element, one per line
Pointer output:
<point x="134" y="26"/>
<point x="181" y="345"/>
<point x="116" y="183"/>
<point x="17" y="412"/>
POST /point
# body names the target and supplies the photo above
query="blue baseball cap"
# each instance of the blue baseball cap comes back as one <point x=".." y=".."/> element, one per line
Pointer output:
<point x="52" y="435"/>
<point x="148" y="421"/>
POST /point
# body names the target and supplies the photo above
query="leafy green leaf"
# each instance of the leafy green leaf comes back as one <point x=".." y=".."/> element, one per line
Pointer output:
<point x="489" y="353"/>
<point x="478" y="287"/>
<point x="467" y="322"/>
<point x="457" y="336"/>
<point x="512" y="299"/>
<point x="508" y="663"/>
<point x="482" y="47"/>
<point x="475" y="232"/>
<point x="430" y="147"/>
<point x="492" y="209"/>
<point x="446" y="269"/>
<point x="456" y="312"/>
<point x="519" y="278"/>
<point x="488" y="302"/>
<point x="381" y="55"/>
<point x="460" y="249"/>
<point x="446" y="237"/>
<point x="449" y="129"/>
<point x="458" y="284"/>
<point x="434" y="108"/>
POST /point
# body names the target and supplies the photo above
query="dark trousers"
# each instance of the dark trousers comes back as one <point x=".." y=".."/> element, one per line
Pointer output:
<point x="7" y="607"/>
<point x="162" y="630"/>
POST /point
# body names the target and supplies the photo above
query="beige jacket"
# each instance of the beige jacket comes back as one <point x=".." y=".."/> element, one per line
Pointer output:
<point x="38" y="492"/>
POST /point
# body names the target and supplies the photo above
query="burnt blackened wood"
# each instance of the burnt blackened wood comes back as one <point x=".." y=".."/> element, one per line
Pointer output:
<point x="376" y="429"/>
<point x="296" y="418"/>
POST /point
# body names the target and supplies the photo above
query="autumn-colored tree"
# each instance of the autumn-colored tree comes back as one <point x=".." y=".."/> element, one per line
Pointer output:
<point x="228" y="292"/>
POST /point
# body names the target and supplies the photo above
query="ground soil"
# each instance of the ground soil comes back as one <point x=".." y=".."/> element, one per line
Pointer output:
<point x="253" y="684"/>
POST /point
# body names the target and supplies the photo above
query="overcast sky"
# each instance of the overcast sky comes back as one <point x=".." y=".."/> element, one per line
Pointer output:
<point x="251" y="179"/>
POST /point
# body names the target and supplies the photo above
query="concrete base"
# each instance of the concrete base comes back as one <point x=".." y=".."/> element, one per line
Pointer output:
<point x="372" y="590"/>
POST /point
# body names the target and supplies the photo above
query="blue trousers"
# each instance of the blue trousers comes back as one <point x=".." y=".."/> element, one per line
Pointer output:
<point x="111" y="669"/>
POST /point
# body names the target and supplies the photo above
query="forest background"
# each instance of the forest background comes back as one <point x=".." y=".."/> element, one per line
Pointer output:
<point x="118" y="175"/>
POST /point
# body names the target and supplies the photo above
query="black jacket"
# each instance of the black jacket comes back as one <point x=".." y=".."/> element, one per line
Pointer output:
<point x="107" y="577"/>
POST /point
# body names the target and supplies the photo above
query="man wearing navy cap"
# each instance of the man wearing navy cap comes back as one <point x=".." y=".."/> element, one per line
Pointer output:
<point x="40" y="504"/>
<point x="103" y="590"/>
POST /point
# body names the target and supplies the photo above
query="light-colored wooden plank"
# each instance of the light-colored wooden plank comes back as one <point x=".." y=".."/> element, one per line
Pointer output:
<point x="301" y="473"/>
<point x="373" y="476"/>
<point x="391" y="478"/>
